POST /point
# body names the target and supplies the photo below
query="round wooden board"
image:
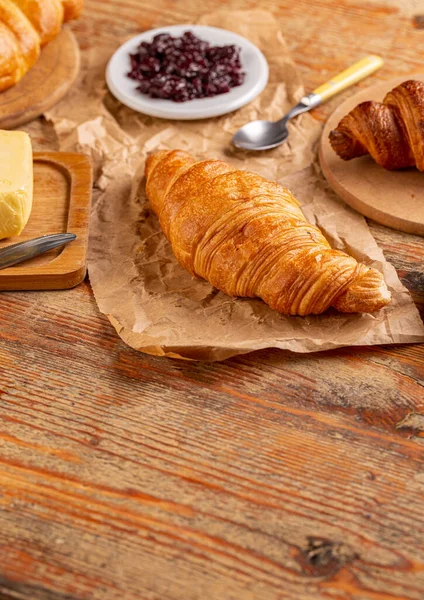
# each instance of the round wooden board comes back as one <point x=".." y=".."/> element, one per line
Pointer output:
<point x="392" y="198"/>
<point x="44" y="85"/>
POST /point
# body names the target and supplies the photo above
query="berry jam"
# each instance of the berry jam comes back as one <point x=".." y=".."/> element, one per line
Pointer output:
<point x="184" y="68"/>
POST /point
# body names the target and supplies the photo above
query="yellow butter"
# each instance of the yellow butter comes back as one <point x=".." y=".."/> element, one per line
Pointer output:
<point x="16" y="182"/>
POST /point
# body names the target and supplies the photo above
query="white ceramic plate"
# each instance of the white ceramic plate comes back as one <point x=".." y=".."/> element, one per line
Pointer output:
<point x="124" y="88"/>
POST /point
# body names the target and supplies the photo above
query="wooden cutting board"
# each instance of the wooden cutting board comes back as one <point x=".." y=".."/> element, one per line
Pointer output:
<point x="392" y="198"/>
<point x="44" y="85"/>
<point x="62" y="197"/>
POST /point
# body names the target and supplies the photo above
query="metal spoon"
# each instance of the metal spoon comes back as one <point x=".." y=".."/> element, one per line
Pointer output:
<point x="17" y="253"/>
<point x="262" y="135"/>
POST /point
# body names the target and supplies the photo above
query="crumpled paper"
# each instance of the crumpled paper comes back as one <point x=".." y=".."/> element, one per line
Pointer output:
<point x="156" y="306"/>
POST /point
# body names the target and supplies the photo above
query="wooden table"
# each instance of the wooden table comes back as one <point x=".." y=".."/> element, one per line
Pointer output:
<point x="271" y="476"/>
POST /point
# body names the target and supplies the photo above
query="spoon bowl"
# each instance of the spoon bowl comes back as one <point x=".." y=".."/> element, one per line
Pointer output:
<point x="261" y="135"/>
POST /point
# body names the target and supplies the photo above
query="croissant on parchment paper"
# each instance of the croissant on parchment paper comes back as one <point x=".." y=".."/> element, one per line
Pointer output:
<point x="392" y="132"/>
<point x="248" y="237"/>
<point x="26" y="26"/>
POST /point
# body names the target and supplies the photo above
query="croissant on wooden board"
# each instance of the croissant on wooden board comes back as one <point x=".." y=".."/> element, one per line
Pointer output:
<point x="248" y="237"/>
<point x="25" y="27"/>
<point x="392" y="131"/>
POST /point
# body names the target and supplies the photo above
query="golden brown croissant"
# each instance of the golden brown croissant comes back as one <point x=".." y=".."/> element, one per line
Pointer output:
<point x="72" y="8"/>
<point x="248" y="237"/>
<point x="392" y="132"/>
<point x="46" y="16"/>
<point x="19" y="44"/>
<point x="26" y="26"/>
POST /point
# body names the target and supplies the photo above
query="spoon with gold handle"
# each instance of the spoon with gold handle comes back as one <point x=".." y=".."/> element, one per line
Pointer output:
<point x="263" y="135"/>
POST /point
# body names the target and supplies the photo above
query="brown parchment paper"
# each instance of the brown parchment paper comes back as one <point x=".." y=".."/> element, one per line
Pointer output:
<point x="156" y="306"/>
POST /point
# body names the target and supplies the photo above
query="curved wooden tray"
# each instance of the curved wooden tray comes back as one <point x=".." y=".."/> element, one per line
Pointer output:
<point x="44" y="85"/>
<point x="392" y="198"/>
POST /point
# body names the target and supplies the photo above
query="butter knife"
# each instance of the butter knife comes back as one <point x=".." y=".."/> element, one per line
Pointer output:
<point x="17" y="253"/>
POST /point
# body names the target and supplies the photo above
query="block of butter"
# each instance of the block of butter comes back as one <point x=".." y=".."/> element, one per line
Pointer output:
<point x="16" y="182"/>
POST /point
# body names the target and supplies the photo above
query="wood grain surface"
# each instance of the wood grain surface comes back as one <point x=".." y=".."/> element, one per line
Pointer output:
<point x="44" y="85"/>
<point x="271" y="476"/>
<point x="61" y="203"/>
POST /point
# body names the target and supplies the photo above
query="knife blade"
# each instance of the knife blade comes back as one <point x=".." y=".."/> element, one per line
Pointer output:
<point x="17" y="253"/>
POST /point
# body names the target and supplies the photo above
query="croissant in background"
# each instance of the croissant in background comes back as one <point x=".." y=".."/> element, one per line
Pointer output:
<point x="25" y="27"/>
<point x="248" y="237"/>
<point x="392" y="132"/>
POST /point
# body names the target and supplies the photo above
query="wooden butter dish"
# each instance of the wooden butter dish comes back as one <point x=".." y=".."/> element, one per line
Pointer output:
<point x="62" y="198"/>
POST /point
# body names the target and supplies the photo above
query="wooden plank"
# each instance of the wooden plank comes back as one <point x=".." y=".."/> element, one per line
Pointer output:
<point x="62" y="196"/>
<point x="166" y="488"/>
<point x="270" y="476"/>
